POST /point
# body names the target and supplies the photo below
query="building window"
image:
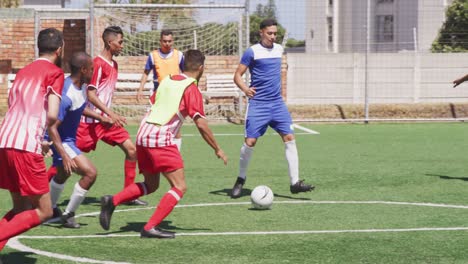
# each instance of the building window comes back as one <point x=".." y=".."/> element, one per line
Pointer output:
<point x="330" y="29"/>
<point x="384" y="28"/>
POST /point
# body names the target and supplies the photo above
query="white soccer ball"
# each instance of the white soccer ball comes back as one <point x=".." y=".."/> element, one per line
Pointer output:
<point x="262" y="197"/>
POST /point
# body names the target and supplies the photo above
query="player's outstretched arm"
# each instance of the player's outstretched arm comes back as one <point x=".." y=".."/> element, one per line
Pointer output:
<point x="106" y="121"/>
<point x="208" y="136"/>
<point x="94" y="99"/>
<point x="143" y="80"/>
<point x="460" y="80"/>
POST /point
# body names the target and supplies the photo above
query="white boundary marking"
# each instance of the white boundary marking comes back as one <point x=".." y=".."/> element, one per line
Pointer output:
<point x="17" y="245"/>
<point x="310" y="131"/>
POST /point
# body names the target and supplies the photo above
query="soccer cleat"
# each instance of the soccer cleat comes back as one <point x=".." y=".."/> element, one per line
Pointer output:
<point x="237" y="189"/>
<point x="68" y="220"/>
<point x="156" y="232"/>
<point x="300" y="186"/>
<point x="107" y="208"/>
<point x="136" y="202"/>
<point x="56" y="212"/>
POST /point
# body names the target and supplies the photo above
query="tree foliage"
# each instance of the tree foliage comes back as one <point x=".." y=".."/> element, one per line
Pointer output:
<point x="9" y="3"/>
<point x="263" y="12"/>
<point x="453" y="36"/>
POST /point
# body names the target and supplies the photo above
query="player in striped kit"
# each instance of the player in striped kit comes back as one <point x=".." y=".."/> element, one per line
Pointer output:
<point x="33" y="102"/>
<point x="100" y="92"/>
<point x="177" y="97"/>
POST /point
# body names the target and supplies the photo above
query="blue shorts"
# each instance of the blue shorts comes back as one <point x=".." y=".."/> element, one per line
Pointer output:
<point x="70" y="149"/>
<point x="260" y="115"/>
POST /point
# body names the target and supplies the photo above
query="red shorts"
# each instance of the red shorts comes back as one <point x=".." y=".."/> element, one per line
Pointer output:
<point x="23" y="172"/>
<point x="155" y="160"/>
<point x="88" y="135"/>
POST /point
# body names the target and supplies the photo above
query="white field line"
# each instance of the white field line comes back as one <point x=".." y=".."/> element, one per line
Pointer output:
<point x="16" y="244"/>
<point x="310" y="131"/>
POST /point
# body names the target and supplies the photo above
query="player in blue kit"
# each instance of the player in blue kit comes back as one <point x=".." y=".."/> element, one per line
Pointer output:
<point x="266" y="106"/>
<point x="72" y="106"/>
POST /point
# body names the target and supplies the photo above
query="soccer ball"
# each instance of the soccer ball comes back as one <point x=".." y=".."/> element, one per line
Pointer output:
<point x="262" y="197"/>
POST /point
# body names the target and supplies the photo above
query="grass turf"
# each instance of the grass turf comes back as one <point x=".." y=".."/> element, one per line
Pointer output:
<point x="423" y="163"/>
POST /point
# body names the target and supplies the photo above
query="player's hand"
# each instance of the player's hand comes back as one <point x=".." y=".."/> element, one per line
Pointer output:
<point x="107" y="122"/>
<point x="457" y="82"/>
<point x="69" y="165"/>
<point x="119" y="121"/>
<point x="46" y="151"/>
<point x="250" y="92"/>
<point x="220" y="154"/>
<point x="139" y="96"/>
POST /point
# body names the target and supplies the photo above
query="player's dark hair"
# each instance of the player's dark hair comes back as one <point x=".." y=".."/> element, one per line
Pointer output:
<point x="166" y="32"/>
<point x="49" y="40"/>
<point x="77" y="61"/>
<point x="268" y="23"/>
<point x="193" y="59"/>
<point x="112" y="30"/>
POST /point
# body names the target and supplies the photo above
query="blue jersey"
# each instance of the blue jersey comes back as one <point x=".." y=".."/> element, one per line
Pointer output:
<point x="265" y="70"/>
<point x="72" y="106"/>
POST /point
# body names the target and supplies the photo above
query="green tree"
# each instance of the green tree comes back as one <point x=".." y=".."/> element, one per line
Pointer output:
<point x="262" y="12"/>
<point x="453" y="36"/>
<point x="9" y="3"/>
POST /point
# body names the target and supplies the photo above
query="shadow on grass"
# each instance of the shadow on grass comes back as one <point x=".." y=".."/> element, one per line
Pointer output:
<point x="166" y="225"/>
<point x="446" y="177"/>
<point x="247" y="192"/>
<point x="18" y="257"/>
<point x="87" y="200"/>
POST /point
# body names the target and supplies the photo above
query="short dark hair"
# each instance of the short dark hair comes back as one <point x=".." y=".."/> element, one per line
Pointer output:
<point x="112" y="30"/>
<point x="78" y="60"/>
<point x="193" y="59"/>
<point x="268" y="23"/>
<point x="49" y="40"/>
<point x="166" y="32"/>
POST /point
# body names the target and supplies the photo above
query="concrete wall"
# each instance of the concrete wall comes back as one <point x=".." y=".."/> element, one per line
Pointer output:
<point x="392" y="78"/>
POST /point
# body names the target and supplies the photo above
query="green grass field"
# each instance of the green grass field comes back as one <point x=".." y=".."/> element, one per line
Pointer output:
<point x="378" y="188"/>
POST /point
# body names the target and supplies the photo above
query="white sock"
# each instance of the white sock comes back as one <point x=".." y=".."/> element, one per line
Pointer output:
<point x="290" y="150"/>
<point x="56" y="190"/>
<point x="178" y="142"/>
<point x="245" y="155"/>
<point x="76" y="198"/>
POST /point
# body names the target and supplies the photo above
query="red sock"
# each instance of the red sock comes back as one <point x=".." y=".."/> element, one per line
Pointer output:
<point x="165" y="206"/>
<point x="129" y="193"/>
<point x="51" y="172"/>
<point x="6" y="218"/>
<point x="130" y="172"/>
<point x="19" y="223"/>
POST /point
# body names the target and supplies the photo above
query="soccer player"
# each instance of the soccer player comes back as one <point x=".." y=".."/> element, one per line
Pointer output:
<point x="33" y="105"/>
<point x="72" y="106"/>
<point x="100" y="92"/>
<point x="177" y="97"/>
<point x="266" y="106"/>
<point x="163" y="61"/>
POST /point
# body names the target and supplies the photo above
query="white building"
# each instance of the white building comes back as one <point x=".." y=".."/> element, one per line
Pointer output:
<point x="394" y="25"/>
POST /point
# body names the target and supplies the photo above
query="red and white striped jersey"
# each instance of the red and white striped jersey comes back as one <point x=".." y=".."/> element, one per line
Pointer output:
<point x="25" y="121"/>
<point x="152" y="136"/>
<point x="104" y="81"/>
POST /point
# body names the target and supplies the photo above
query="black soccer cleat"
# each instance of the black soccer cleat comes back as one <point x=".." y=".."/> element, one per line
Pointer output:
<point x="68" y="220"/>
<point x="136" y="202"/>
<point x="107" y="208"/>
<point x="56" y="212"/>
<point x="156" y="232"/>
<point x="237" y="189"/>
<point x="300" y="186"/>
